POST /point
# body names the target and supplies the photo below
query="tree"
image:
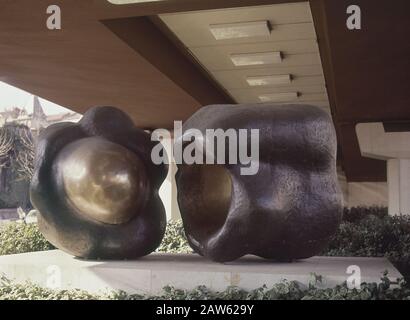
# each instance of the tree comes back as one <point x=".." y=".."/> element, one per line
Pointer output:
<point x="25" y="153"/>
<point x="16" y="165"/>
<point x="6" y="146"/>
<point x="17" y="150"/>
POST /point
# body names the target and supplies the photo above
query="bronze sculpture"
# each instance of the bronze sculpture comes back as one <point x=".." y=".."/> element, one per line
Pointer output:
<point x="288" y="210"/>
<point x="96" y="188"/>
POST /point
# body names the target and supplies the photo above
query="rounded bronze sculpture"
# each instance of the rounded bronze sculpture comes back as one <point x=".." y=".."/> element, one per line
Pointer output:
<point x="96" y="188"/>
<point x="288" y="210"/>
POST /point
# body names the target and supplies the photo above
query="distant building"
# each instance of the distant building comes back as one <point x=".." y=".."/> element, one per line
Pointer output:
<point x="36" y="120"/>
<point x="39" y="118"/>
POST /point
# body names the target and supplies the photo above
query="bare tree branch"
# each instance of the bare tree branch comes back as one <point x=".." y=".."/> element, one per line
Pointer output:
<point x="17" y="150"/>
<point x="25" y="154"/>
<point x="6" y="146"/>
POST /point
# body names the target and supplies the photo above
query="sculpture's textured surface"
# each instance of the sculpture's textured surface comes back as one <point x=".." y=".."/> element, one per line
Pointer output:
<point x="288" y="210"/>
<point x="96" y="187"/>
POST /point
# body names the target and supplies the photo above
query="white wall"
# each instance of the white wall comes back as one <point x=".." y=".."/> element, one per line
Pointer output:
<point x="168" y="190"/>
<point x="363" y="193"/>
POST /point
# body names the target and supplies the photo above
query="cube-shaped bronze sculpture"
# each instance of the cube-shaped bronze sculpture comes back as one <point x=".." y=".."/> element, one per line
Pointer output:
<point x="288" y="210"/>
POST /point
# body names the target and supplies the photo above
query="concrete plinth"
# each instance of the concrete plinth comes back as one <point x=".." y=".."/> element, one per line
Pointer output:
<point x="150" y="274"/>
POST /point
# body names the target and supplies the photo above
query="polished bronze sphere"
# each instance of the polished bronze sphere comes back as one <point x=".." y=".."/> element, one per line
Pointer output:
<point x="103" y="180"/>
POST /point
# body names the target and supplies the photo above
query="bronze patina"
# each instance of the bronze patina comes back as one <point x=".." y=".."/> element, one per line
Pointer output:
<point x="288" y="210"/>
<point x="96" y="187"/>
<point x="103" y="180"/>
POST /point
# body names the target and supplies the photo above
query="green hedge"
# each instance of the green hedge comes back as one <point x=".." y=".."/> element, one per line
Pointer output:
<point x="281" y="291"/>
<point x="20" y="238"/>
<point x="175" y="240"/>
<point x="374" y="235"/>
<point x="356" y="214"/>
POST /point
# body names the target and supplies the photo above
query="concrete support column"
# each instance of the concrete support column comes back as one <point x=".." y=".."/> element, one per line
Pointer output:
<point x="398" y="182"/>
<point x="394" y="147"/>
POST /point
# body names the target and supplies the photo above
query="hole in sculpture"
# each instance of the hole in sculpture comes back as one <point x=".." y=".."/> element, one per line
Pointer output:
<point x="204" y="198"/>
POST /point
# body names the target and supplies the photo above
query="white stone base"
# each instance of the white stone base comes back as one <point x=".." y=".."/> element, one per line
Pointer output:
<point x="150" y="274"/>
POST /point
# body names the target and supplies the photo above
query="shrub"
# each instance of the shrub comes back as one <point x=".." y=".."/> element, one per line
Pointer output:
<point x="175" y="240"/>
<point x="374" y="235"/>
<point x="20" y="238"/>
<point x="10" y="291"/>
<point x="355" y="214"/>
<point x="287" y="290"/>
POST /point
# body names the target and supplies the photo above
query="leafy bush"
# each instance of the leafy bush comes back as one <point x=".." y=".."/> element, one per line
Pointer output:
<point x="10" y="291"/>
<point x="286" y="290"/>
<point x="374" y="234"/>
<point x="175" y="240"/>
<point x="282" y="291"/>
<point x="20" y="238"/>
<point x="355" y="214"/>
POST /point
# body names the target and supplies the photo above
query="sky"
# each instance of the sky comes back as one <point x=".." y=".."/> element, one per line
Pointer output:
<point x="13" y="97"/>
